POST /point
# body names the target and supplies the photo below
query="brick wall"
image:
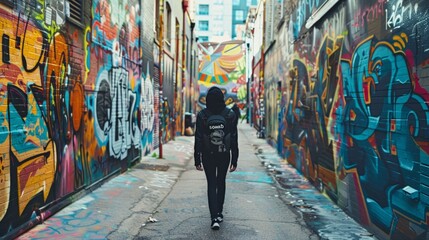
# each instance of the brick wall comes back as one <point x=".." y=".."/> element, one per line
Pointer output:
<point x="76" y="100"/>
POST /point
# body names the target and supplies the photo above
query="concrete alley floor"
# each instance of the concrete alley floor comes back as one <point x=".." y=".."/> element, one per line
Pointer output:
<point x="166" y="199"/>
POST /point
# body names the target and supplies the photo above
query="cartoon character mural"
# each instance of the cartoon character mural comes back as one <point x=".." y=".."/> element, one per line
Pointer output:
<point x="222" y="64"/>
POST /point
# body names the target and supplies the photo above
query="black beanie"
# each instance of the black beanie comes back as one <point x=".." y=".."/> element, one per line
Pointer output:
<point x="215" y="100"/>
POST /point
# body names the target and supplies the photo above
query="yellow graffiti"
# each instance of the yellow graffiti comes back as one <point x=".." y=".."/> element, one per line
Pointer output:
<point x="36" y="166"/>
<point x="400" y="41"/>
<point x="36" y="175"/>
<point x="87" y="53"/>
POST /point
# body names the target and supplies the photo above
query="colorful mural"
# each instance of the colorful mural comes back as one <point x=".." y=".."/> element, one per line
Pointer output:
<point x="257" y="96"/>
<point x="355" y="118"/>
<point x="39" y="133"/>
<point x="76" y="104"/>
<point x="222" y="64"/>
<point x="120" y="105"/>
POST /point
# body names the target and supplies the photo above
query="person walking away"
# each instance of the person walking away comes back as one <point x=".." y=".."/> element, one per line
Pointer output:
<point x="216" y="149"/>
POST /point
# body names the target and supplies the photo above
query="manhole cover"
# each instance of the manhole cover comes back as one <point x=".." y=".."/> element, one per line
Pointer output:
<point x="152" y="167"/>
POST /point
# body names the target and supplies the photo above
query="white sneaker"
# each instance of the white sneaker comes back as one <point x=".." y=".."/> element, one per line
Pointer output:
<point x="215" y="224"/>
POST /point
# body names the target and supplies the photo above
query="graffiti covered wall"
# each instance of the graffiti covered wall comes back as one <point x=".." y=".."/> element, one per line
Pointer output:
<point x="119" y="87"/>
<point x="222" y="64"/>
<point x="76" y="102"/>
<point x="355" y="119"/>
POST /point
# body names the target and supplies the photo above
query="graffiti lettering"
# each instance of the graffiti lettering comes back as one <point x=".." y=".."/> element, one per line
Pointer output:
<point x="122" y="103"/>
<point x="369" y="14"/>
<point x="335" y="25"/>
<point x="147" y="113"/>
<point x="386" y="127"/>
<point x="35" y="67"/>
<point x="308" y="114"/>
<point x="31" y="145"/>
<point x="114" y="106"/>
<point x="46" y="108"/>
<point x="395" y="16"/>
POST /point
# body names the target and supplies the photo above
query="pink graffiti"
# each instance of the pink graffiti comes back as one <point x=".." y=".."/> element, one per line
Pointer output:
<point x="368" y="14"/>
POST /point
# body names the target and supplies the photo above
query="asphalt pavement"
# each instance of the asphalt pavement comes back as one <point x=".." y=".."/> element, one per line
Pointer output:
<point x="166" y="198"/>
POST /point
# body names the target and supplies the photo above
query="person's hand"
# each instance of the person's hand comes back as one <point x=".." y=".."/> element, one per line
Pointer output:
<point x="232" y="168"/>
<point x="199" y="167"/>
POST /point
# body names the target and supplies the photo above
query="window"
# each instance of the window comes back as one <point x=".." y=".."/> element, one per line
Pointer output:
<point x="236" y="2"/>
<point x="203" y="9"/>
<point x="203" y="25"/>
<point x="76" y="7"/>
<point x="203" y="39"/>
<point x="239" y="15"/>
<point x="168" y="23"/>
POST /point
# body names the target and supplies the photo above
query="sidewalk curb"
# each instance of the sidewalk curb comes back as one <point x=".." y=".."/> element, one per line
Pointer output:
<point x="318" y="211"/>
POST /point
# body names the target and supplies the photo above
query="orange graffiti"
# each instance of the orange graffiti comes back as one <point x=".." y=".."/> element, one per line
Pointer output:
<point x="77" y="105"/>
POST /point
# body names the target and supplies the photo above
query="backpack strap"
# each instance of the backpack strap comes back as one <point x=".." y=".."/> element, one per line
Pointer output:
<point x="205" y="114"/>
<point x="226" y="114"/>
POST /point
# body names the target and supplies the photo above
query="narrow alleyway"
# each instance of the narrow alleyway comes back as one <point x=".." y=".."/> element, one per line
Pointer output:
<point x="252" y="210"/>
<point x="166" y="199"/>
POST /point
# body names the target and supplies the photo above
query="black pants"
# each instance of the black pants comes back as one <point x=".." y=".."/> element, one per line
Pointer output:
<point x="216" y="168"/>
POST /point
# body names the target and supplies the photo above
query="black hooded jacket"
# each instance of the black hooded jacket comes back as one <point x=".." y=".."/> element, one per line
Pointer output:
<point x="215" y="104"/>
<point x="236" y="110"/>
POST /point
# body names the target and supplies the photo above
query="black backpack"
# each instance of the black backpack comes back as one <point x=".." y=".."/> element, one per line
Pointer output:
<point x="217" y="133"/>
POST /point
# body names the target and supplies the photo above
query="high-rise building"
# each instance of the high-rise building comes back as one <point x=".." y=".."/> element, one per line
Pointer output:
<point x="221" y="20"/>
<point x="240" y="9"/>
<point x="213" y="19"/>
